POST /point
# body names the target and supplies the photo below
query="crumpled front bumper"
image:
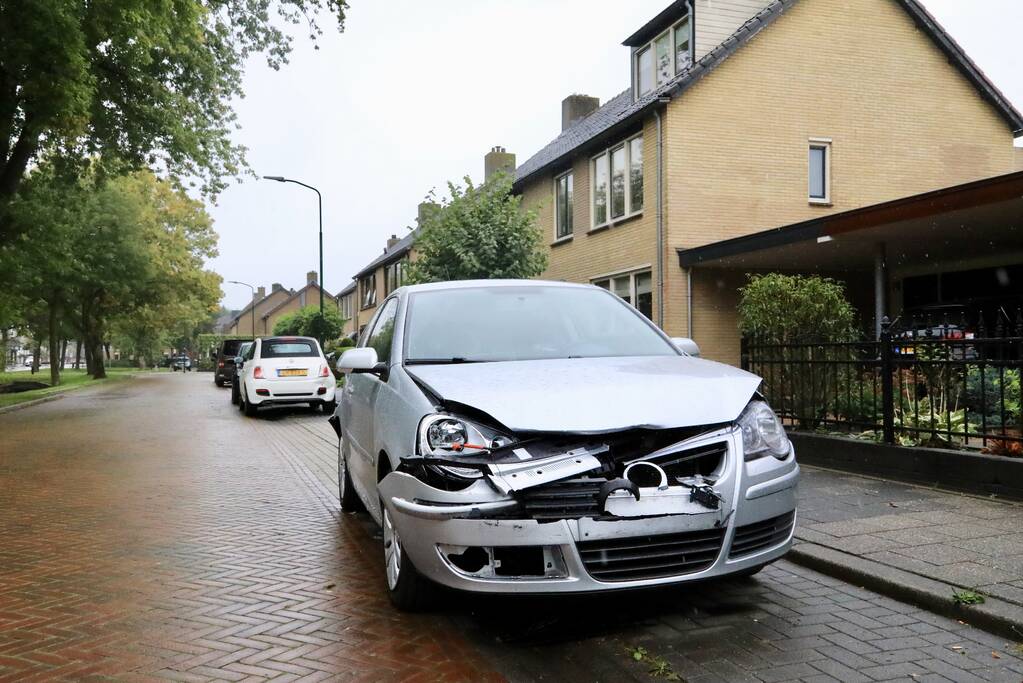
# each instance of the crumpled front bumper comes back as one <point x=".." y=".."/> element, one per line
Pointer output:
<point x="758" y="507"/>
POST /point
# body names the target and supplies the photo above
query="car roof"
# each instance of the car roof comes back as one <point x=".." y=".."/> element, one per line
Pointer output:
<point x="470" y="284"/>
<point x="288" y="338"/>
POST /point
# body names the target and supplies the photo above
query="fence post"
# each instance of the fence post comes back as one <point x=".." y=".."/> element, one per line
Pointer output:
<point x="887" y="391"/>
<point x="744" y="352"/>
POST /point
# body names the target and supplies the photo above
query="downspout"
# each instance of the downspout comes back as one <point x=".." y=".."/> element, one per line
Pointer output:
<point x="660" y="214"/>
<point x="689" y="302"/>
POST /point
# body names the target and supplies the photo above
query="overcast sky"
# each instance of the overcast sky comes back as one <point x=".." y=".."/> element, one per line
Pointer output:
<point x="413" y="94"/>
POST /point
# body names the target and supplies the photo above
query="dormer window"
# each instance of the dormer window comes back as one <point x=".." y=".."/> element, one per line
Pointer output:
<point x="663" y="58"/>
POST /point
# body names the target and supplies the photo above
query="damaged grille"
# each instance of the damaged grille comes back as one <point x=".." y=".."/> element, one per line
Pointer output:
<point x="569" y="499"/>
<point x="651" y="557"/>
<point x="752" y="538"/>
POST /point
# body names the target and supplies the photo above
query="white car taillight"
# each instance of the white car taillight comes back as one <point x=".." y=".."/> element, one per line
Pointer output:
<point x="257" y="372"/>
<point x="324" y="372"/>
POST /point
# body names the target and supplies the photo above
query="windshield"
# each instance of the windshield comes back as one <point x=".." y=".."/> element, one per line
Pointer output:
<point x="525" y="323"/>
<point x="231" y="347"/>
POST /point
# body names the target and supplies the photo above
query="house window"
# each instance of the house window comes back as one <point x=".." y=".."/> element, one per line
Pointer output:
<point x="663" y="58"/>
<point x="368" y="291"/>
<point x="394" y="274"/>
<point x="623" y="165"/>
<point x="820" y="171"/>
<point x="633" y="288"/>
<point x="563" y="205"/>
<point x="644" y="71"/>
<point x="346" y="307"/>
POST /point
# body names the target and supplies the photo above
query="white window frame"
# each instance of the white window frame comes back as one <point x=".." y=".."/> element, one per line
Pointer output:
<point x="670" y="33"/>
<point x="631" y="273"/>
<point x="346" y="307"/>
<point x="372" y="277"/>
<point x="606" y="153"/>
<point x="824" y="144"/>
<point x="398" y="270"/>
<point x="571" y="228"/>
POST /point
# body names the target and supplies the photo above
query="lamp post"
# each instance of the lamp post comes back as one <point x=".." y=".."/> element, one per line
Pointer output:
<point x="253" y="304"/>
<point x="319" y="199"/>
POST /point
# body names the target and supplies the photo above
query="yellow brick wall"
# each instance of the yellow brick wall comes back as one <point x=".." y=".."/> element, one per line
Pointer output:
<point x="627" y="245"/>
<point x="902" y="120"/>
<point x="244" y="324"/>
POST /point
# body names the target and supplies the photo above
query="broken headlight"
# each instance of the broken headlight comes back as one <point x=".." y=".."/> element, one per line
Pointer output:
<point x="447" y="435"/>
<point x="762" y="432"/>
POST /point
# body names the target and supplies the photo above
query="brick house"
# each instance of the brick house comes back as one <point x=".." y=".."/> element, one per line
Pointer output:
<point x="747" y="115"/>
<point x="249" y="321"/>
<point x="309" y="295"/>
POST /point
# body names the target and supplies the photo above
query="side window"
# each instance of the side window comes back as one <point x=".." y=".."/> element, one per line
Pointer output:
<point x="251" y="353"/>
<point x="382" y="335"/>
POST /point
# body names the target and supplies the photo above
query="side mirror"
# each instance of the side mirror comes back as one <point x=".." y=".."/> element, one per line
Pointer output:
<point x="686" y="346"/>
<point x="238" y="360"/>
<point x="363" y="359"/>
<point x="213" y="355"/>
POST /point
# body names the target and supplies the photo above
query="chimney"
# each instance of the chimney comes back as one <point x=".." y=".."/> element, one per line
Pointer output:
<point x="310" y="277"/>
<point x="426" y="210"/>
<point x="498" y="159"/>
<point x="391" y="241"/>
<point x="260" y="294"/>
<point x="276" y="287"/>
<point x="575" y="108"/>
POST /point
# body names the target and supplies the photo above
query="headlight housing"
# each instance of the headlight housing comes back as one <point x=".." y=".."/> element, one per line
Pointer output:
<point x="448" y="435"/>
<point x="762" y="432"/>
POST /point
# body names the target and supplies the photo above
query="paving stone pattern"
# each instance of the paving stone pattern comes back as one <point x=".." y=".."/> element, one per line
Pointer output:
<point x="151" y="532"/>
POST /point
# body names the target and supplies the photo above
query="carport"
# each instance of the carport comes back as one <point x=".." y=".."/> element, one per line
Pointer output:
<point x="960" y="244"/>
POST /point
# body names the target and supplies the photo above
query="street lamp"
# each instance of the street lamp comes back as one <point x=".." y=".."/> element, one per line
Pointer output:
<point x="235" y="282"/>
<point x="319" y="198"/>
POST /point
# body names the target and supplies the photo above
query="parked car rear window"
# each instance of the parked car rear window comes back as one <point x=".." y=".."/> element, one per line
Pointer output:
<point x="230" y="347"/>
<point x="288" y="349"/>
<point x="526" y="323"/>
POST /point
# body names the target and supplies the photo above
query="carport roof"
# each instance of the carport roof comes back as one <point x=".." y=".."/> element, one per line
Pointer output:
<point x="975" y="219"/>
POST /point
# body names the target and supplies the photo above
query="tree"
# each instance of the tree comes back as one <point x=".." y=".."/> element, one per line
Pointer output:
<point x="308" y="323"/>
<point x="481" y="233"/>
<point x="784" y="309"/>
<point x="139" y="82"/>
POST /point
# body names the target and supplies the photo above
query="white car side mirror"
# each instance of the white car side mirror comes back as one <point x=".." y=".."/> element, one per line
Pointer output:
<point x="686" y="346"/>
<point x="362" y="359"/>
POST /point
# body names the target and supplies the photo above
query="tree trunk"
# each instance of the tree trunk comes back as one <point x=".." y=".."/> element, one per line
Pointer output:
<point x="78" y="353"/>
<point x="63" y="353"/>
<point x="35" y="356"/>
<point x="4" y="336"/>
<point x="54" y="343"/>
<point x="106" y="349"/>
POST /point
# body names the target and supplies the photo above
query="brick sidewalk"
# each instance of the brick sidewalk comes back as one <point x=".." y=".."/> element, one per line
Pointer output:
<point x="960" y="540"/>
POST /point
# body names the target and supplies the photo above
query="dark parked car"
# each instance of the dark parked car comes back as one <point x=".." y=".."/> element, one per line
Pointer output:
<point x="223" y="364"/>
<point x="237" y="363"/>
<point x="181" y="362"/>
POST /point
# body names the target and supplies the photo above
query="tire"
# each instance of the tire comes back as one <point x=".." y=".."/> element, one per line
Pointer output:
<point x="247" y="408"/>
<point x="408" y="590"/>
<point x="216" y="380"/>
<point x="350" y="501"/>
<point x="328" y="407"/>
<point x="235" y="396"/>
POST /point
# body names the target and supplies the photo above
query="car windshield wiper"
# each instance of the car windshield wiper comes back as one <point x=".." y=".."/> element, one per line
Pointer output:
<point x="442" y="361"/>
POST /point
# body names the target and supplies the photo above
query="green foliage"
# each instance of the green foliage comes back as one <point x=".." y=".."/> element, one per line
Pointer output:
<point x="308" y="323"/>
<point x="985" y="391"/>
<point x="782" y="309"/>
<point x="138" y="82"/>
<point x="481" y="233"/>
<point x="967" y="597"/>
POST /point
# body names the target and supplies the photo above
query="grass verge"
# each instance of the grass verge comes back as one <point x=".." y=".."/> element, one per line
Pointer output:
<point x="69" y="381"/>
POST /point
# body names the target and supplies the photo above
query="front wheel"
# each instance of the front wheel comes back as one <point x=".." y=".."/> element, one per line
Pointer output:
<point x="328" y="407"/>
<point x="235" y="396"/>
<point x="408" y="590"/>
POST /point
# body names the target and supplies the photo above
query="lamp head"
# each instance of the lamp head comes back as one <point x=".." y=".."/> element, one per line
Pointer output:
<point x="278" y="178"/>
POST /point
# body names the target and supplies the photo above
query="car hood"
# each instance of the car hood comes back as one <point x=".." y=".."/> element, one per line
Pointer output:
<point x="595" y="395"/>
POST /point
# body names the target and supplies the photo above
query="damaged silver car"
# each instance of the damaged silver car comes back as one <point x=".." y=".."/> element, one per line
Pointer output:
<point x="545" y="437"/>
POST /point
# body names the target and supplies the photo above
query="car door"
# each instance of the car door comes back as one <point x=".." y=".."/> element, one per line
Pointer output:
<point x="246" y="374"/>
<point x="363" y="389"/>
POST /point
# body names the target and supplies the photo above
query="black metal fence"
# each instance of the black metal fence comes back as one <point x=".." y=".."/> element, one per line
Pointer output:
<point x="932" y="386"/>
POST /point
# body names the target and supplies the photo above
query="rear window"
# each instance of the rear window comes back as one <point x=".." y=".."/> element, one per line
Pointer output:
<point x="230" y="347"/>
<point x="291" y="348"/>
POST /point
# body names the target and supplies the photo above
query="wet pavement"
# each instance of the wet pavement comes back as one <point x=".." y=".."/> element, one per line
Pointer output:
<point x="148" y="531"/>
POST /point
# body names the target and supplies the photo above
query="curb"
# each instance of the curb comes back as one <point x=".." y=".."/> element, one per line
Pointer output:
<point x="994" y="615"/>
<point x="33" y="402"/>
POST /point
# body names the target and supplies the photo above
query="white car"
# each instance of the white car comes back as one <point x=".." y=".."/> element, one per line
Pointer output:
<point x="541" y="437"/>
<point x="285" y="371"/>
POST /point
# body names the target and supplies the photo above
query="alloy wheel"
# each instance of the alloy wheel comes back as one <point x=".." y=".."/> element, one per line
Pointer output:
<point x="392" y="552"/>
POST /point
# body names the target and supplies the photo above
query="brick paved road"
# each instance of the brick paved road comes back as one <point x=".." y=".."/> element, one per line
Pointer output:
<point x="151" y="532"/>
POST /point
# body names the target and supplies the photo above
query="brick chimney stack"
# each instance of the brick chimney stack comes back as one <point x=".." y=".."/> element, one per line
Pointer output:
<point x="310" y="277"/>
<point x="276" y="287"/>
<point x="391" y="241"/>
<point x="260" y="294"/>
<point x="498" y="159"/>
<point x="575" y="107"/>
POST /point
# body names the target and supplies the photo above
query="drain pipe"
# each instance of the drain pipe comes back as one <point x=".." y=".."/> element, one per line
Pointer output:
<point x="660" y="216"/>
